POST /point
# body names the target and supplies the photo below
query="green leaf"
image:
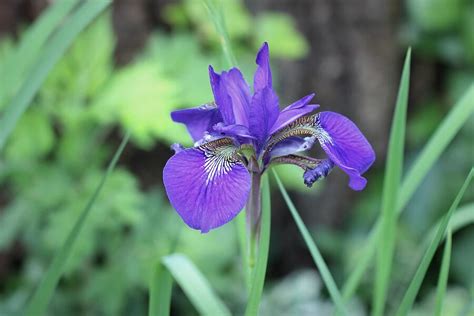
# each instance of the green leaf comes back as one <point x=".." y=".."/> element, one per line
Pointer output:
<point x="415" y="284"/>
<point x="44" y="292"/>
<point x="194" y="285"/>
<point x="450" y="126"/>
<point x="437" y="144"/>
<point x="443" y="275"/>
<point x="393" y="174"/>
<point x="258" y="277"/>
<point x="313" y="249"/>
<point x="20" y="61"/>
<point x="242" y="235"/>
<point x="160" y="292"/>
<point x="54" y="50"/>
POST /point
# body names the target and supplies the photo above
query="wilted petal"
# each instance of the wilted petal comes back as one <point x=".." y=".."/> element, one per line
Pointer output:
<point x="263" y="75"/>
<point x="345" y="145"/>
<point x="198" y="120"/>
<point x="207" y="185"/>
<point x="232" y="95"/>
<point x="294" y="111"/>
<point x="263" y="114"/>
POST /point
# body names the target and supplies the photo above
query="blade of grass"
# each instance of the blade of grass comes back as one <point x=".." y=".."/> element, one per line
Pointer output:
<point x="42" y="296"/>
<point x="393" y="172"/>
<point x="415" y="284"/>
<point x="443" y="275"/>
<point x="313" y="249"/>
<point x="161" y="287"/>
<point x="194" y="285"/>
<point x="242" y="236"/>
<point x="33" y="40"/>
<point x="217" y="17"/>
<point x="54" y="50"/>
<point x="445" y="133"/>
<point x="161" y="284"/>
<point x="258" y="277"/>
<point x="453" y="122"/>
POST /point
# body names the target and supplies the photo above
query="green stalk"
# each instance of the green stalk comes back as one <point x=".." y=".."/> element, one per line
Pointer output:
<point x="450" y="126"/>
<point x="393" y="175"/>
<point x="415" y="284"/>
<point x="45" y="290"/>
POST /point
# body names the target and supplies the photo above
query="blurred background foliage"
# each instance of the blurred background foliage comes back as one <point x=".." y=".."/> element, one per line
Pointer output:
<point x="57" y="153"/>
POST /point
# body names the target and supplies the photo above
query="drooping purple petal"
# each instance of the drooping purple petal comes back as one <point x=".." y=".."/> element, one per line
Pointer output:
<point x="198" y="120"/>
<point x="206" y="185"/>
<point x="345" y="145"/>
<point x="294" y="111"/>
<point x="263" y="114"/>
<point x="263" y="75"/>
<point x="322" y="170"/>
<point x="232" y="95"/>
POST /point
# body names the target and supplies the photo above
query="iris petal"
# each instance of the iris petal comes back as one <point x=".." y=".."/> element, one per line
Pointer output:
<point x="293" y="112"/>
<point x="345" y="145"/>
<point x="263" y="114"/>
<point x="232" y="95"/>
<point x="198" y="120"/>
<point x="263" y="75"/>
<point x="207" y="185"/>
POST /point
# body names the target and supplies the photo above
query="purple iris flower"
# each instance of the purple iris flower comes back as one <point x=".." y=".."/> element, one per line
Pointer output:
<point x="241" y="134"/>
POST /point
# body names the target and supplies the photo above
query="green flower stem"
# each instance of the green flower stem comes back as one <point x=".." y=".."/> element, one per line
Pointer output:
<point x="253" y="211"/>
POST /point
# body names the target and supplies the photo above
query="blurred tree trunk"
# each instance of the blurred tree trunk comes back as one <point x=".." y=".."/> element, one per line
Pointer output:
<point x="353" y="66"/>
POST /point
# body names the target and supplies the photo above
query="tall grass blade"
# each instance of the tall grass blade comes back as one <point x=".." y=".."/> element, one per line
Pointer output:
<point x="194" y="285"/>
<point x="313" y="249"/>
<point x="258" y="277"/>
<point x="392" y="180"/>
<point x="161" y="286"/>
<point x="217" y="17"/>
<point x="33" y="40"/>
<point x="445" y="133"/>
<point x="443" y="275"/>
<point x="54" y="50"/>
<point x="453" y="122"/>
<point x="44" y="292"/>
<point x="415" y="284"/>
<point x="242" y="237"/>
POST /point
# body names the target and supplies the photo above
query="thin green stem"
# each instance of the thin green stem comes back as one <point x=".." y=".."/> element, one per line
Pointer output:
<point x="215" y="12"/>
<point x="45" y="290"/>
<point x="313" y="249"/>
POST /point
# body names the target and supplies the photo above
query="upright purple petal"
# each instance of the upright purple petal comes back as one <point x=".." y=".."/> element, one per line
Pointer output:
<point x="345" y="145"/>
<point x="263" y="114"/>
<point x="294" y="111"/>
<point x="263" y="75"/>
<point x="198" y="120"/>
<point x="232" y="95"/>
<point x="206" y="185"/>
